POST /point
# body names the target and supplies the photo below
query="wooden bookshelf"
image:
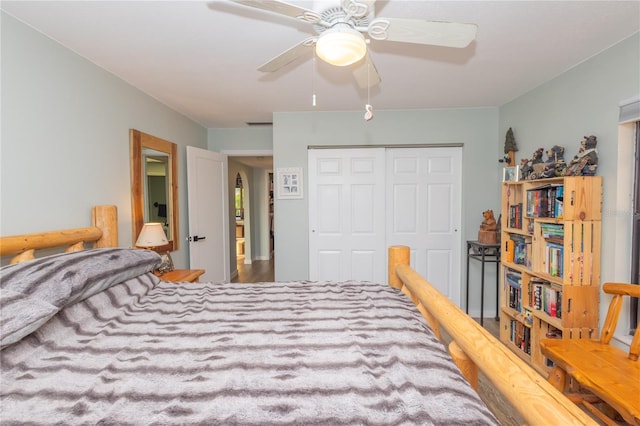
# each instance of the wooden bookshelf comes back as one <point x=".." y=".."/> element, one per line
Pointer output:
<point x="550" y="263"/>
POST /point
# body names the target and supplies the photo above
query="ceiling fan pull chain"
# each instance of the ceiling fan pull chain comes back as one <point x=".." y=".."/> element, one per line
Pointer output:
<point x="368" y="109"/>
<point x="368" y="83"/>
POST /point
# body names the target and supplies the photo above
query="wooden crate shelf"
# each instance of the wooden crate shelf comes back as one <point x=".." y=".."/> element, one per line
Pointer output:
<point x="550" y="261"/>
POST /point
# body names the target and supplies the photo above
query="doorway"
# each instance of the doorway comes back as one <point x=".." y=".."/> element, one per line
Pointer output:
<point x="239" y="195"/>
<point x="250" y="192"/>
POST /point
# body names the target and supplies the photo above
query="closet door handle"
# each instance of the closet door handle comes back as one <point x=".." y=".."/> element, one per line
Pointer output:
<point x="196" y="238"/>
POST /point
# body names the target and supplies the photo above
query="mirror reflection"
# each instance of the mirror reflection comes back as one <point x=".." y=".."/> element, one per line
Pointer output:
<point x="156" y="192"/>
<point x="153" y="185"/>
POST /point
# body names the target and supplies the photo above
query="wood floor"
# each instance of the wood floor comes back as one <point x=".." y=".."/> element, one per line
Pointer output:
<point x="262" y="271"/>
<point x="257" y="272"/>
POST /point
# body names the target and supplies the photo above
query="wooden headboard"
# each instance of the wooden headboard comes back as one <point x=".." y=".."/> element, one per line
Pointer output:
<point x="103" y="233"/>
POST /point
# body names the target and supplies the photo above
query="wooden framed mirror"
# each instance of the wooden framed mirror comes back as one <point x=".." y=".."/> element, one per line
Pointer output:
<point x="154" y="189"/>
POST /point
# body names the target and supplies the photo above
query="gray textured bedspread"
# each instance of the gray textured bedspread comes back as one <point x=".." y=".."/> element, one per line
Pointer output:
<point x="151" y="352"/>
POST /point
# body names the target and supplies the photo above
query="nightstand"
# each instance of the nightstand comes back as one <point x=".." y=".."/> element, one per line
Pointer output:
<point x="181" y="275"/>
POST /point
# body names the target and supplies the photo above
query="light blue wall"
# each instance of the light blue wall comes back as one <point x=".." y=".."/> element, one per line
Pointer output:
<point x="246" y="138"/>
<point x="65" y="138"/>
<point x="584" y="101"/>
<point x="476" y="128"/>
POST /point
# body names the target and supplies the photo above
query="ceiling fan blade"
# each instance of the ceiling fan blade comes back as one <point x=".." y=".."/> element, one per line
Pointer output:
<point x="289" y="55"/>
<point x="365" y="73"/>
<point x="448" y="34"/>
<point x="283" y="8"/>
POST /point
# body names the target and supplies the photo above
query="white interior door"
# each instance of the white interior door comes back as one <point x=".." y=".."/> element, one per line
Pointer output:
<point x="346" y="214"/>
<point x="424" y="197"/>
<point x="208" y="214"/>
<point x="363" y="200"/>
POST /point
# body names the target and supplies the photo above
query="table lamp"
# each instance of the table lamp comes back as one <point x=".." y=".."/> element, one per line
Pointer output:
<point x="151" y="236"/>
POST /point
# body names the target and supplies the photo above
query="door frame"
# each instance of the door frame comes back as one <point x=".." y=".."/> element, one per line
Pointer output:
<point x="263" y="205"/>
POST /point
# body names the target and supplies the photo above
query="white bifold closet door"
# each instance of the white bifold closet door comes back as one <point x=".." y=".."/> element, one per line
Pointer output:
<point x="346" y="214"/>
<point x="362" y="200"/>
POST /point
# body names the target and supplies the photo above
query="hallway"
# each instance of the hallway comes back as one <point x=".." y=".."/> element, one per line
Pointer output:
<point x="257" y="272"/>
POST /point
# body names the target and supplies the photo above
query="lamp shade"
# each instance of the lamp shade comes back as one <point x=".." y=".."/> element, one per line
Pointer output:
<point x="152" y="235"/>
<point x="341" y="45"/>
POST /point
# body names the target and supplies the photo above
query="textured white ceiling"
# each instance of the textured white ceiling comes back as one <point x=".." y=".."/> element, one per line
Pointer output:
<point x="200" y="58"/>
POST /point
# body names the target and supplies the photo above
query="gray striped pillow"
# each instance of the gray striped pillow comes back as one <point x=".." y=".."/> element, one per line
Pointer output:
<point x="32" y="292"/>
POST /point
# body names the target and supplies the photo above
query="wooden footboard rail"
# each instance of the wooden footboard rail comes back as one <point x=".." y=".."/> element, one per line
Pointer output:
<point x="103" y="233"/>
<point x="474" y="348"/>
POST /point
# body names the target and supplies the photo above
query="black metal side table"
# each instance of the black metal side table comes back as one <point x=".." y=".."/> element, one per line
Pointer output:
<point x="485" y="253"/>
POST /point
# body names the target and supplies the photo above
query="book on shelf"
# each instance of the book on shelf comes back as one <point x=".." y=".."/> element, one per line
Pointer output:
<point x="536" y="289"/>
<point x="546" y="296"/>
<point x="515" y="216"/>
<point x="558" y="302"/>
<point x="513" y="278"/>
<point x="520" y="336"/>
<point x="545" y="201"/>
<point x="530" y="226"/>
<point x="554" y="259"/>
<point x="552" y="231"/>
<point x="518" y="249"/>
<point x="559" y="202"/>
<point x="514" y="281"/>
<point x="509" y="248"/>
<point x="551" y="304"/>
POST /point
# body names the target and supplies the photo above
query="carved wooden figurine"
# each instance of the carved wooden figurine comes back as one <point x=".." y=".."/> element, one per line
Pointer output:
<point x="488" y="233"/>
<point x="585" y="162"/>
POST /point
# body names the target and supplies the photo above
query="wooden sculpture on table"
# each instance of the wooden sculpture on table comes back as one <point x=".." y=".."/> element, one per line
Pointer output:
<point x="536" y="166"/>
<point x="488" y="233"/>
<point x="585" y="162"/>
<point x="555" y="166"/>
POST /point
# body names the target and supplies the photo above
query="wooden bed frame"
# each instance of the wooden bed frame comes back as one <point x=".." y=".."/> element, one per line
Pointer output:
<point x="473" y="348"/>
<point x="103" y="233"/>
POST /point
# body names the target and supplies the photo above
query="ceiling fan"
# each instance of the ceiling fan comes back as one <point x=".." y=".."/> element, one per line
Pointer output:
<point x="340" y="40"/>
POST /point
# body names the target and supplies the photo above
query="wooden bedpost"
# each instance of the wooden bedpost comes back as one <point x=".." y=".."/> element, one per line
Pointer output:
<point x="468" y="368"/>
<point x="398" y="255"/>
<point x="401" y="255"/>
<point x="106" y="218"/>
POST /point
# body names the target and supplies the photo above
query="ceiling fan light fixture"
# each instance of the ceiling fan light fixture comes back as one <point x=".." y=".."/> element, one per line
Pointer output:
<point x="341" y="45"/>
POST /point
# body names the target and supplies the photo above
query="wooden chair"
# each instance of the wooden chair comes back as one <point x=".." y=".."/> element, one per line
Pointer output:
<point x="605" y="372"/>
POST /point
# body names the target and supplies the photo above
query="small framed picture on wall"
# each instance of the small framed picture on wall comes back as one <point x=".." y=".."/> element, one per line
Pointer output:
<point x="289" y="183"/>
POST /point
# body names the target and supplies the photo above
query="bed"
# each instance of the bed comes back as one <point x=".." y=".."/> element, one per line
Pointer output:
<point x="92" y="336"/>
